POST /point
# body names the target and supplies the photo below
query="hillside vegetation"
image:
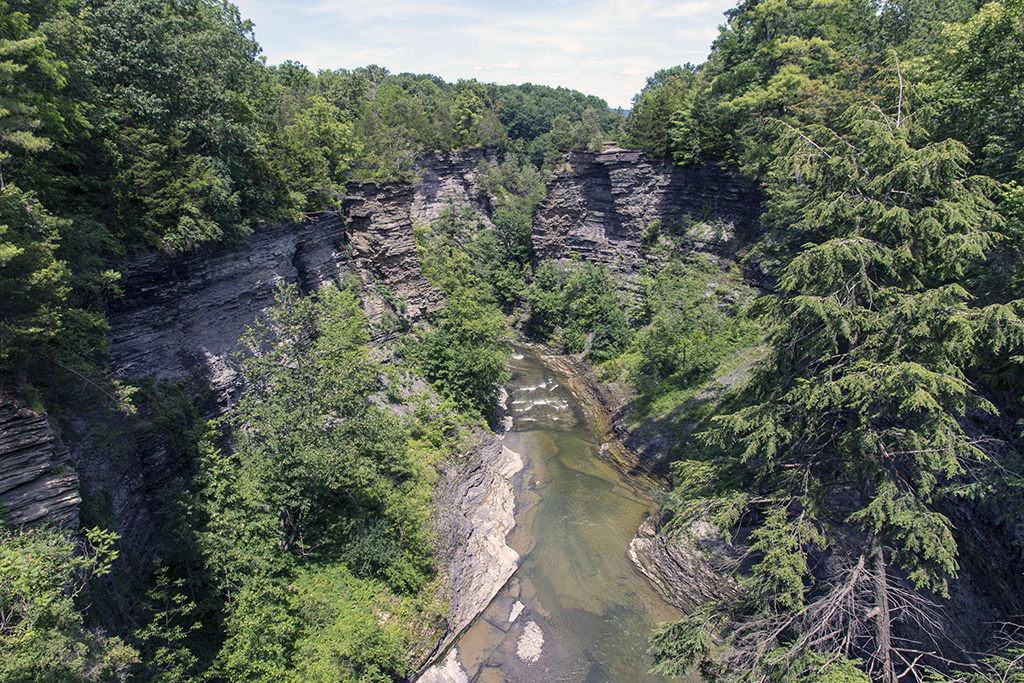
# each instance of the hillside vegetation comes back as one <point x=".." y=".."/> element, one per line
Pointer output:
<point x="829" y="422"/>
<point x="888" y="140"/>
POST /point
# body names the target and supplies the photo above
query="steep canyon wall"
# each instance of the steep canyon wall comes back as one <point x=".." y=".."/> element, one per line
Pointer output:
<point x="180" y="318"/>
<point x="183" y="316"/>
<point x="600" y="206"/>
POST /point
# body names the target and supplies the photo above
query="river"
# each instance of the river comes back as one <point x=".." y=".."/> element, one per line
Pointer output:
<point x="576" y="609"/>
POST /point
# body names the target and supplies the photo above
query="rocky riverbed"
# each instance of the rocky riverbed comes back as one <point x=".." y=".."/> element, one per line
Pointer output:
<point x="576" y="609"/>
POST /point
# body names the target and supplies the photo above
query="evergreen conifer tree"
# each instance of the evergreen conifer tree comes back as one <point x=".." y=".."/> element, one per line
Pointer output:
<point x="854" y="427"/>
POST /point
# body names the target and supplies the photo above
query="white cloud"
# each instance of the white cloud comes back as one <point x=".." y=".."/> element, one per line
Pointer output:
<point x="385" y="9"/>
<point x="600" y="47"/>
<point x="507" y="66"/>
<point x="688" y="9"/>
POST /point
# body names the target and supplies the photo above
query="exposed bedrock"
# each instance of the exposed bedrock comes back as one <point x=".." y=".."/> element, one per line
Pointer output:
<point x="475" y="510"/>
<point x="600" y="206"/>
<point x="37" y="482"/>
<point x="689" y="570"/>
<point x="183" y="316"/>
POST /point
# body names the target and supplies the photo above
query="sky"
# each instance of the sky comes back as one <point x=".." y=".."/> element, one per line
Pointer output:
<point x="606" y="48"/>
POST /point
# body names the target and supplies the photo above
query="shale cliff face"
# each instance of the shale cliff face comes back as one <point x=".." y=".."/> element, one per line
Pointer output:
<point x="182" y="317"/>
<point x="37" y="482"/>
<point x="599" y="206"/>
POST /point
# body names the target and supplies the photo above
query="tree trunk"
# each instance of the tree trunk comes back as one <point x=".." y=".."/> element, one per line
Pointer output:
<point x="883" y="625"/>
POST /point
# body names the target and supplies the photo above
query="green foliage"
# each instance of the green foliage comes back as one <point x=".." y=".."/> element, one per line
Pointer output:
<point x="977" y="93"/>
<point x="316" y="151"/>
<point x="25" y="63"/>
<point x="326" y="625"/>
<point x="798" y="62"/>
<point x="865" y="385"/>
<point x="465" y="353"/>
<point x="187" y="158"/>
<point x="315" y="464"/>
<point x="528" y="113"/>
<point x="914" y="26"/>
<point x="315" y="519"/>
<point x="778" y="577"/>
<point x="686" y="329"/>
<point x="165" y="639"/>
<point x="585" y="134"/>
<point x="898" y="337"/>
<point x="397" y="117"/>
<point x="690" y="645"/>
<point x="503" y="254"/>
<point x="651" y="120"/>
<point x="515" y="182"/>
<point x="42" y="634"/>
<point x="681" y="646"/>
<point x="579" y="302"/>
<point x="812" y="667"/>
<point x="353" y="630"/>
<point x="261" y="631"/>
<point x="41" y="330"/>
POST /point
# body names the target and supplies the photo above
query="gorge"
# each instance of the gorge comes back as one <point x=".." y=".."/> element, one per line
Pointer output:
<point x="180" y="320"/>
<point x="255" y="320"/>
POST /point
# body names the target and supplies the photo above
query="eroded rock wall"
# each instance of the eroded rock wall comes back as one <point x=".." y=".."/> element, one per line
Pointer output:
<point x="600" y="206"/>
<point x="37" y="481"/>
<point x="183" y="316"/>
<point x="475" y="512"/>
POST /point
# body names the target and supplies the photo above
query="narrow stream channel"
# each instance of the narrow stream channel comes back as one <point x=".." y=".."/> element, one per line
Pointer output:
<point x="577" y="609"/>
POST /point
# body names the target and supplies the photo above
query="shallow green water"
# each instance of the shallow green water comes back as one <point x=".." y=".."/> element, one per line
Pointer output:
<point x="576" y="588"/>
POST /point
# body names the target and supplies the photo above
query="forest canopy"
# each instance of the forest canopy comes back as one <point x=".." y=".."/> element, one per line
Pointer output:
<point x="882" y="135"/>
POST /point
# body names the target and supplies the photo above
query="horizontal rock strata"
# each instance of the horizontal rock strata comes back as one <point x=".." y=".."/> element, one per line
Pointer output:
<point x="599" y="206"/>
<point x="183" y="316"/>
<point x="37" y="482"/>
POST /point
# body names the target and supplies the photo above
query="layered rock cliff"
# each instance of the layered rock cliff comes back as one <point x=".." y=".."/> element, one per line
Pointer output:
<point x="183" y="316"/>
<point x="38" y="484"/>
<point x="600" y="206"/>
<point x="180" y="320"/>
